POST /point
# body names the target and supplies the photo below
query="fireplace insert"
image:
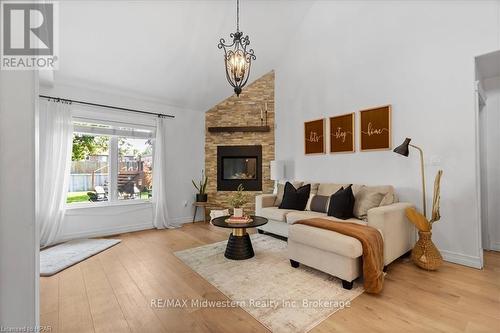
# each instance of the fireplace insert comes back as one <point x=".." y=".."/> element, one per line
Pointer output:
<point x="239" y="165"/>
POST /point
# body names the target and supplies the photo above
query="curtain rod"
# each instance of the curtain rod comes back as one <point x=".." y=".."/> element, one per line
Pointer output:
<point x="107" y="106"/>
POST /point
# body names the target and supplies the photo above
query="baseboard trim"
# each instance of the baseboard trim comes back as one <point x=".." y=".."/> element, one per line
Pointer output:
<point x="182" y="220"/>
<point x="101" y="232"/>
<point x="107" y="231"/>
<point x="462" y="259"/>
<point x="495" y="246"/>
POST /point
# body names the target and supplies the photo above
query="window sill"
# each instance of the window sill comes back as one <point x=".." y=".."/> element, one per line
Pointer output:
<point x="87" y="205"/>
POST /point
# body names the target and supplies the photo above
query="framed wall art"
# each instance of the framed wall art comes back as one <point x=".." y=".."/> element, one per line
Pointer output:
<point x="314" y="137"/>
<point x="375" y="128"/>
<point x="342" y="133"/>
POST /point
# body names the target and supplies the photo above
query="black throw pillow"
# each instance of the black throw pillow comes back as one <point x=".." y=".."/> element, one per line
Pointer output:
<point x="295" y="198"/>
<point x="342" y="204"/>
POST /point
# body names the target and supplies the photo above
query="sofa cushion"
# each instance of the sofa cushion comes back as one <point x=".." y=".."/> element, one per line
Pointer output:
<point x="389" y="198"/>
<point x="328" y="188"/>
<point x="314" y="187"/>
<point x="364" y="203"/>
<point x="275" y="213"/>
<point x="281" y="190"/>
<point x="319" y="203"/>
<point x="342" y="204"/>
<point x="295" y="198"/>
<point x="326" y="240"/>
<point x="311" y="197"/>
<point x="388" y="191"/>
<point x="314" y="190"/>
<point x="295" y="215"/>
<point x="366" y="199"/>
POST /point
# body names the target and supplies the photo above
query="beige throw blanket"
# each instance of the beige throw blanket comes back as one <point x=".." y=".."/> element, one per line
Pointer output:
<point x="373" y="248"/>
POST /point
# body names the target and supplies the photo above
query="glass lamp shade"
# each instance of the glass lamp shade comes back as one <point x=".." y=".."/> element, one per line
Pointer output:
<point x="403" y="149"/>
<point x="237" y="65"/>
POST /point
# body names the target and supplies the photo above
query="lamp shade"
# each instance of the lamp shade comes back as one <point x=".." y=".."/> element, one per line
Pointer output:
<point x="402" y="149"/>
<point x="277" y="170"/>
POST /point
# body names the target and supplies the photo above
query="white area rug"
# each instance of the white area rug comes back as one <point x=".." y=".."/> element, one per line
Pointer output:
<point x="282" y="298"/>
<point x="59" y="257"/>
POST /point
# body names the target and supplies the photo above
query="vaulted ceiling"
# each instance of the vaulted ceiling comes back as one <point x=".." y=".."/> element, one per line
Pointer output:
<point x="167" y="50"/>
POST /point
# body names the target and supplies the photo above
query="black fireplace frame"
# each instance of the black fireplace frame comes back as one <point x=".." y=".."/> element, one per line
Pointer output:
<point x="241" y="152"/>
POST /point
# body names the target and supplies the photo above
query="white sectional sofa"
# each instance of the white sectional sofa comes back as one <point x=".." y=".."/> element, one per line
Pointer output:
<point x="329" y="251"/>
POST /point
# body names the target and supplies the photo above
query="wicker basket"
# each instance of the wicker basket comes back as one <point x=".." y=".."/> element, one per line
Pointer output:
<point x="425" y="254"/>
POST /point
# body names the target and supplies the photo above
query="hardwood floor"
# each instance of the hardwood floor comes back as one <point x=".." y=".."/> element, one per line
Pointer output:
<point x="112" y="292"/>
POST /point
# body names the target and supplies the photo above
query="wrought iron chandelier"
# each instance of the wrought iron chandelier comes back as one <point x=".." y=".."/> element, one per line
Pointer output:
<point x="237" y="59"/>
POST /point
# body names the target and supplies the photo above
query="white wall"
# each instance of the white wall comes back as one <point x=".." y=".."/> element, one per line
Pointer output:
<point x="417" y="56"/>
<point x="185" y="153"/>
<point x="174" y="53"/>
<point x="19" y="304"/>
<point x="492" y="159"/>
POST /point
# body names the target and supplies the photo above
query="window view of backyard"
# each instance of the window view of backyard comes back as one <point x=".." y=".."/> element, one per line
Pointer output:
<point x="92" y="168"/>
<point x="89" y="167"/>
<point x="135" y="164"/>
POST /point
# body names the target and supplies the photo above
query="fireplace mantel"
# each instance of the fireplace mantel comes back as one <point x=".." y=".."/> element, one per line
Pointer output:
<point x="232" y="129"/>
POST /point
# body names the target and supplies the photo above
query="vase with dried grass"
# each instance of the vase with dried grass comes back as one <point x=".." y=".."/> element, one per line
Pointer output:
<point x="425" y="254"/>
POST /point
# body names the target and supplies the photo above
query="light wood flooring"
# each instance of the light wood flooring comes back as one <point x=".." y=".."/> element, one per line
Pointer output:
<point x="112" y="292"/>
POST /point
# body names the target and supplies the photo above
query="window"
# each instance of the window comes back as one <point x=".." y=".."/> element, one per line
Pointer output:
<point x="135" y="165"/>
<point x="110" y="162"/>
<point x="89" y="173"/>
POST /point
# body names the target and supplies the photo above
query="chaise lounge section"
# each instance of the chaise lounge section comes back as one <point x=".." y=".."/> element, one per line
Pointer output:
<point x="332" y="252"/>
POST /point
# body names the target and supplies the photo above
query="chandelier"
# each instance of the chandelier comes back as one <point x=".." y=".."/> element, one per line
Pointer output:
<point x="237" y="59"/>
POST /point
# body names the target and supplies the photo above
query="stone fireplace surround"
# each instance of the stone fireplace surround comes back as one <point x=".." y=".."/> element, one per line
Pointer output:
<point x="241" y="111"/>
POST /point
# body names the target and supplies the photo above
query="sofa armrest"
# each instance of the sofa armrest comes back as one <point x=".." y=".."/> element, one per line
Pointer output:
<point x="396" y="230"/>
<point x="264" y="200"/>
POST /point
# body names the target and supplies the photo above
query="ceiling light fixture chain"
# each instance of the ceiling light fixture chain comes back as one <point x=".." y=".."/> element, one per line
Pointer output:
<point x="237" y="59"/>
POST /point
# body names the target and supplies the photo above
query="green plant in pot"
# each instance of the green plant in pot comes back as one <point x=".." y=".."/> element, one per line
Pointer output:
<point x="201" y="187"/>
<point x="238" y="200"/>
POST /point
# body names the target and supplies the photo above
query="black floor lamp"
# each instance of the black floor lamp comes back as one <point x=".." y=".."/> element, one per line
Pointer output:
<point x="403" y="149"/>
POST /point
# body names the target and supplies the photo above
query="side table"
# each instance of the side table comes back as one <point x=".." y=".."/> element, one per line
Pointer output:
<point x="202" y="205"/>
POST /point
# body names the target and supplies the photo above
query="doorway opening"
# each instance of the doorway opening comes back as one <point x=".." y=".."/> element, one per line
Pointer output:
<point x="487" y="93"/>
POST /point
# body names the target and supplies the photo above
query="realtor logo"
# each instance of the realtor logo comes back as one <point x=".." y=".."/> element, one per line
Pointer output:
<point x="28" y="35"/>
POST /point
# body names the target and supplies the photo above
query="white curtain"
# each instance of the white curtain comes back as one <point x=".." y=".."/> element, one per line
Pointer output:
<point x="160" y="212"/>
<point x="55" y="142"/>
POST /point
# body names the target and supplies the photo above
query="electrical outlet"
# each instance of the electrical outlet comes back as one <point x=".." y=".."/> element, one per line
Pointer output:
<point x="185" y="203"/>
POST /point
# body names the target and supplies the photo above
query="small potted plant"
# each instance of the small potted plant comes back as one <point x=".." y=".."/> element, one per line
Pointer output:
<point x="201" y="187"/>
<point x="238" y="200"/>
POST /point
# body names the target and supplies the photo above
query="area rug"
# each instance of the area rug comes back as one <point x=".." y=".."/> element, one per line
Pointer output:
<point x="59" y="257"/>
<point x="282" y="298"/>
